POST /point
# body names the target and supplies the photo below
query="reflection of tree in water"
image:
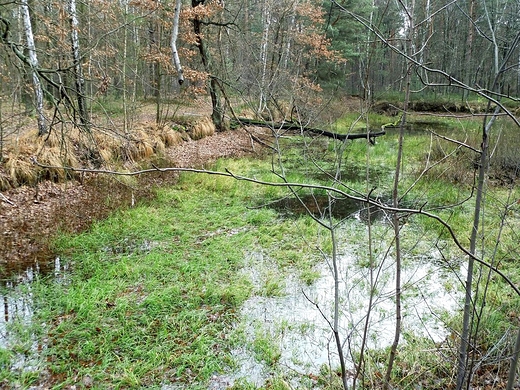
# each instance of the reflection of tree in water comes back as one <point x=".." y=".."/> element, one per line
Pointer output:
<point x="294" y="319"/>
<point x="318" y="206"/>
<point x="17" y="297"/>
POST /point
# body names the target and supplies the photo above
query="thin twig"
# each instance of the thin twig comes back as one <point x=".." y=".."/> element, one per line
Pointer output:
<point x="4" y="198"/>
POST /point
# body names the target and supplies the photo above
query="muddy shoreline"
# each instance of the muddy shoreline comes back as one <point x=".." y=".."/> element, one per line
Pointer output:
<point x="31" y="216"/>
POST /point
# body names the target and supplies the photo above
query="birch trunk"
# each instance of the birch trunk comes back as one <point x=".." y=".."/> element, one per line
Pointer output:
<point x="33" y="62"/>
<point x="123" y="76"/>
<point x="263" y="54"/>
<point x="78" y="70"/>
<point x="175" y="34"/>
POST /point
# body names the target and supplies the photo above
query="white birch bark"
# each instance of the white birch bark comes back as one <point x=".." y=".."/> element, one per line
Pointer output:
<point x="78" y="71"/>
<point x="33" y="62"/>
<point x="126" y="121"/>
<point x="175" y="33"/>
<point x="291" y="30"/>
<point x="263" y="53"/>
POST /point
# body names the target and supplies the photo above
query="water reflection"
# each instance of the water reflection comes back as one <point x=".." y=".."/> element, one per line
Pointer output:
<point x="18" y="308"/>
<point x="319" y="206"/>
<point x="298" y="323"/>
<point x="17" y="299"/>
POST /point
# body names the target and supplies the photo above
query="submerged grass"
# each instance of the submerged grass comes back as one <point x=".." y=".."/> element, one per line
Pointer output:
<point x="439" y="176"/>
<point x="153" y="291"/>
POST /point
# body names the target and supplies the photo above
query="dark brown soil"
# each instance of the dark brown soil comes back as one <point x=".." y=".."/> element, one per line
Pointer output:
<point x="31" y="216"/>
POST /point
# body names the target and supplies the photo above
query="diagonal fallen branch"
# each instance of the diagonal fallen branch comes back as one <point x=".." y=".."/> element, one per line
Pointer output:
<point x="368" y="200"/>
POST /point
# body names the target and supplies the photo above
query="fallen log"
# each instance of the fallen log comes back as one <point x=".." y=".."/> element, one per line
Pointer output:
<point x="296" y="126"/>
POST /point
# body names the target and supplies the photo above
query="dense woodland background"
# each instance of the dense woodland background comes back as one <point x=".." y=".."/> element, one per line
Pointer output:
<point x="267" y="52"/>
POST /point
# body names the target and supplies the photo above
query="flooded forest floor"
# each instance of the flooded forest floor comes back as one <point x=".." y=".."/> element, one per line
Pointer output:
<point x="31" y="216"/>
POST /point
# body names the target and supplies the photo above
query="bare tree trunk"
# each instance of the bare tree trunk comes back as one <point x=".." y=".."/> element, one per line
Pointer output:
<point x="217" y="115"/>
<point x="262" y="99"/>
<point x="514" y="363"/>
<point x="360" y="367"/>
<point x="397" y="242"/>
<point x="157" y="90"/>
<point x="175" y="33"/>
<point x="469" y="48"/>
<point x="395" y="201"/>
<point x="33" y="61"/>
<point x="335" y="324"/>
<point x="124" y="72"/>
<point x="154" y="35"/>
<point x="468" y="301"/>
<point x="78" y="70"/>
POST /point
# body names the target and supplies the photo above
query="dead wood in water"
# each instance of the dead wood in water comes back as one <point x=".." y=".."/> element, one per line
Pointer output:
<point x="296" y="126"/>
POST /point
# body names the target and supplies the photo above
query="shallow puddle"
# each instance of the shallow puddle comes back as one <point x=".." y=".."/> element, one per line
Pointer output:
<point x="18" y="308"/>
<point x="298" y="323"/>
<point x="17" y="303"/>
<point x="318" y="206"/>
<point x="18" y="311"/>
<point x="16" y="296"/>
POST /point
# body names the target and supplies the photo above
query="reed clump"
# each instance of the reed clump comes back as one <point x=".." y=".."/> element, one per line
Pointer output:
<point x="53" y="150"/>
<point x="73" y="148"/>
<point x="202" y="128"/>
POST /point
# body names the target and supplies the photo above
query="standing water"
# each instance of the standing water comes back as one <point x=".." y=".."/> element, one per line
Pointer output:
<point x="298" y="323"/>
<point x="18" y="311"/>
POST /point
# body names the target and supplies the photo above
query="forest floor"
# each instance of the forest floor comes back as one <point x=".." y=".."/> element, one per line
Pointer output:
<point x="31" y="216"/>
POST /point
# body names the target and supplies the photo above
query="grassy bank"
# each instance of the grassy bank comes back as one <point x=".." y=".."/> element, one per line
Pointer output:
<point x="153" y="291"/>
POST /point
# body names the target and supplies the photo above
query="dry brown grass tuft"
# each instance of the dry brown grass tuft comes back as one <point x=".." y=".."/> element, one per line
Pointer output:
<point x="108" y="147"/>
<point x="145" y="139"/>
<point x="57" y="157"/>
<point x="5" y="182"/>
<point x="107" y="154"/>
<point x="169" y="136"/>
<point x="21" y="171"/>
<point x="145" y="150"/>
<point x="26" y="144"/>
<point x="73" y="148"/>
<point x="248" y="113"/>
<point x="202" y="128"/>
<point x="18" y="167"/>
<point x="54" y="139"/>
<point x="52" y="150"/>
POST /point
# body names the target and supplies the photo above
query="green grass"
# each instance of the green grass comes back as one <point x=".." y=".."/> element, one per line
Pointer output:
<point x="153" y="291"/>
<point x="441" y="183"/>
<point x="443" y="186"/>
<point x="265" y="348"/>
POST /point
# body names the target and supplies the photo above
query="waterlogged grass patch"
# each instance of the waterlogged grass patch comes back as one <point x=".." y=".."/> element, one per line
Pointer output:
<point x="266" y="348"/>
<point x="154" y="290"/>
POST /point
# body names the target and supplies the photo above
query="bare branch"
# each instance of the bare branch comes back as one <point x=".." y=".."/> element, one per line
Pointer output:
<point x="337" y="191"/>
<point x="5" y="199"/>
